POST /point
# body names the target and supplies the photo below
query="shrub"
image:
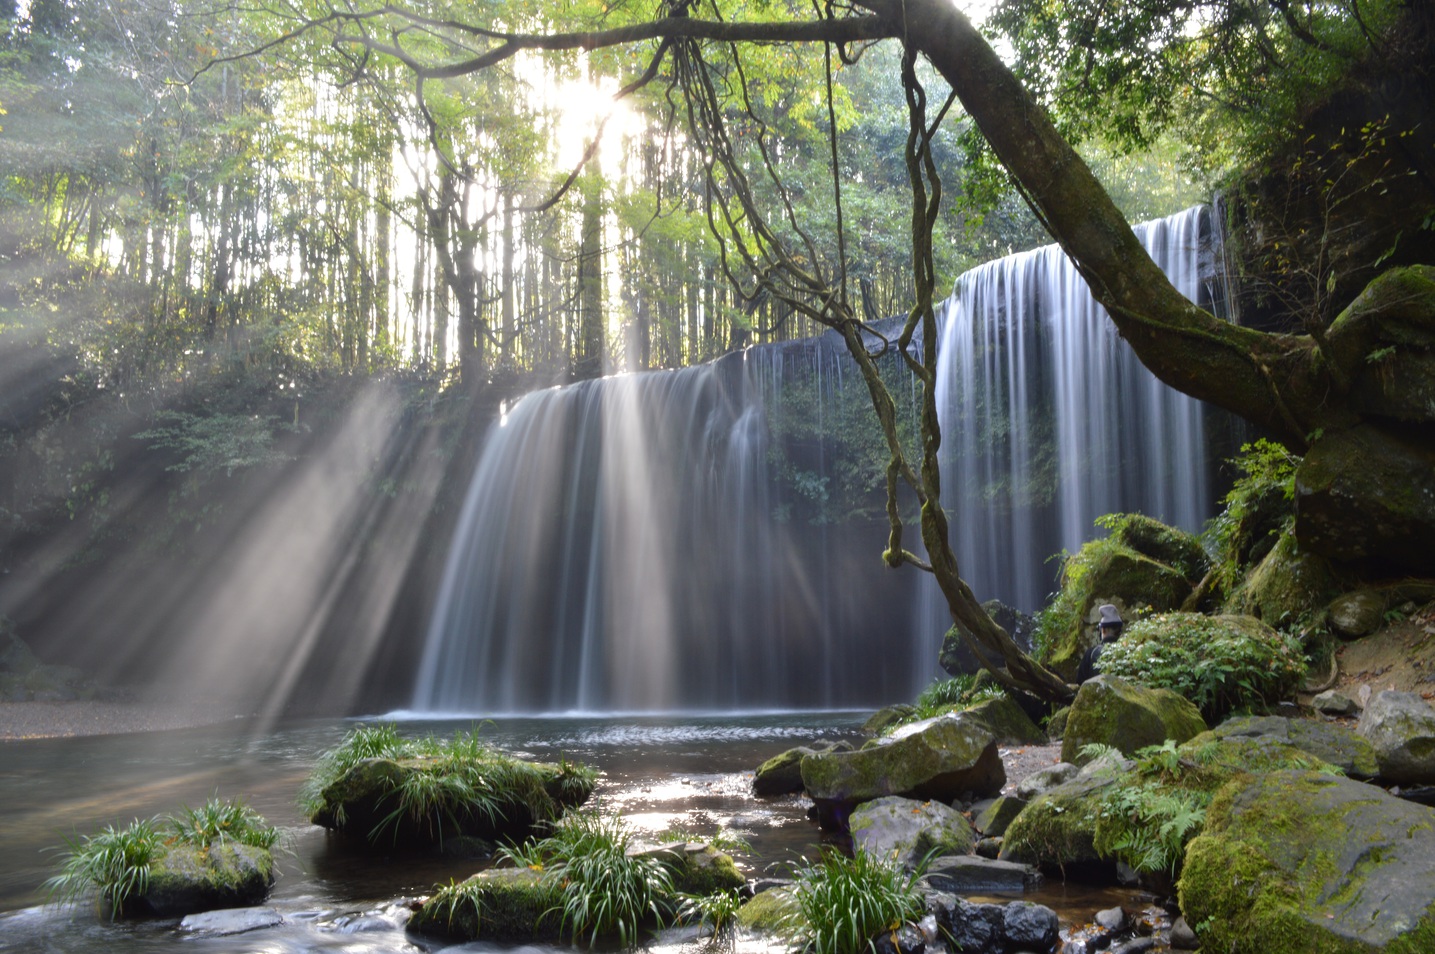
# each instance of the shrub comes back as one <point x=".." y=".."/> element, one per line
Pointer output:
<point x="1223" y="664"/>
<point x="219" y="821"/>
<point x="947" y="695"/>
<point x="844" y="903"/>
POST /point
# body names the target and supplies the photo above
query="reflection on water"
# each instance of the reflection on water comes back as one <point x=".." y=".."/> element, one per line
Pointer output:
<point x="686" y="773"/>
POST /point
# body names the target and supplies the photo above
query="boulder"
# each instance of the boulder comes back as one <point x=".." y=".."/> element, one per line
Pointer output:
<point x="704" y="870"/>
<point x="992" y="816"/>
<point x="1290" y="584"/>
<point x="768" y="911"/>
<point x="908" y="831"/>
<point x="994" y="928"/>
<point x="970" y="874"/>
<point x="1301" y="861"/>
<point x="1111" y="711"/>
<point x="942" y="759"/>
<point x="1030" y="927"/>
<point x="511" y="904"/>
<point x="1335" y="703"/>
<point x="1045" y="779"/>
<point x="1006" y="721"/>
<point x="231" y="921"/>
<point x="1401" y="728"/>
<point x="1356" y="614"/>
<point x="1368" y="494"/>
<point x="1057" y="831"/>
<point x="1176" y="548"/>
<point x="957" y="659"/>
<point x="782" y="774"/>
<point x="1335" y="744"/>
<point x="883" y="719"/>
<point x="188" y="880"/>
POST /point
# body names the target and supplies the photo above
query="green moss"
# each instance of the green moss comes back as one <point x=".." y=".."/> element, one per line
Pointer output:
<point x="1058" y="828"/>
<point x="706" y="872"/>
<point x="1112" y="712"/>
<point x="769" y="911"/>
<point x="1287" y="589"/>
<point x="497" y="904"/>
<point x="187" y="878"/>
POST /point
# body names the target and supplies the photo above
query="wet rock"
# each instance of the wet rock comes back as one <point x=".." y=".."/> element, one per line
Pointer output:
<point x="1111" y="919"/>
<point x="1336" y="744"/>
<point x="231" y="921"/>
<point x="939" y="760"/>
<point x="907" y="939"/>
<point x="188" y="880"/>
<point x="883" y="719"/>
<point x="782" y="774"/>
<point x="1029" y="926"/>
<point x="1401" y="728"/>
<point x="1182" y="937"/>
<point x="1110" y="711"/>
<point x="908" y="830"/>
<point x="1006" y="721"/>
<point x="1322" y="862"/>
<point x="495" y="904"/>
<point x="972" y="874"/>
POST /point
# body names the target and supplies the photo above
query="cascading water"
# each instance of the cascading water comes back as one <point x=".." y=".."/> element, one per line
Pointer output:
<point x="1048" y="419"/>
<point x="657" y="541"/>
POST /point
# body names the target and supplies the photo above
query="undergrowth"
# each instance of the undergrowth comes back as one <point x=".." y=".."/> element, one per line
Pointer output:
<point x="948" y="695"/>
<point x="844" y="903"/>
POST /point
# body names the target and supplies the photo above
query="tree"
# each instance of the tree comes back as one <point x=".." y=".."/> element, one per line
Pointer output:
<point x="1290" y="385"/>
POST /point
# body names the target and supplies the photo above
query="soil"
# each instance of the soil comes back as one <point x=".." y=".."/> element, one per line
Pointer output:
<point x="1400" y="655"/>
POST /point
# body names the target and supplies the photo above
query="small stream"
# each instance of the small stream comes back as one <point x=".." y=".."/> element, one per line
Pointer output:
<point x="691" y="773"/>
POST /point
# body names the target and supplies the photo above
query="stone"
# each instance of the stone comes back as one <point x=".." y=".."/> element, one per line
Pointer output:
<point x="188" y="880"/>
<point x="1056" y="725"/>
<point x="906" y="939"/>
<point x="1047" y="778"/>
<point x="958" y="660"/>
<point x="1111" y="919"/>
<point x="991" y="817"/>
<point x="231" y="921"/>
<point x="768" y="911"/>
<point x="1111" y="711"/>
<point x="1289" y="584"/>
<point x="1176" y="548"/>
<point x="1182" y="938"/>
<point x="969" y="926"/>
<point x="1006" y="721"/>
<point x="1334" y="702"/>
<point x="1335" y="744"/>
<point x="1306" y="861"/>
<point x="1368" y="494"/>
<point x="973" y="874"/>
<point x="782" y="774"/>
<point x="1030" y="926"/>
<point x="883" y="719"/>
<point x="1401" y="728"/>
<point x="946" y="758"/>
<point x="988" y="848"/>
<point x="1356" y="614"/>
<point x="908" y="831"/>
<point x="1057" y="831"/>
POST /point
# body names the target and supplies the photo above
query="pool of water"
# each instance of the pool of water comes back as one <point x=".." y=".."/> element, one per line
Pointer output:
<point x="691" y="773"/>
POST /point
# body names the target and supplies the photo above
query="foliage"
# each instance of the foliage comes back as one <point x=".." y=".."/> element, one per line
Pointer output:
<point x="603" y="890"/>
<point x="717" y="910"/>
<point x="1219" y="666"/>
<point x="948" y="695"/>
<point x="1258" y="507"/>
<point x="844" y="903"/>
<point x="114" y="866"/>
<point x="1147" y="824"/>
<point x="215" y="442"/>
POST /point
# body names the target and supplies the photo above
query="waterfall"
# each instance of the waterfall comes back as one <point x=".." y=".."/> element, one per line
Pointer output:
<point x="703" y="539"/>
<point x="1048" y="419"/>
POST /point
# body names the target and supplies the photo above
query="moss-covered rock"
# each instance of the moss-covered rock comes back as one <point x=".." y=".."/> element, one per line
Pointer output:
<point x="1175" y="548"/>
<point x="1006" y="721"/>
<point x="1057" y="830"/>
<point x="507" y="904"/>
<point x="703" y="870"/>
<point x="1110" y="711"/>
<point x="768" y="911"/>
<point x="1356" y="614"/>
<point x="883" y="719"/>
<point x="1400" y="726"/>
<point x="1103" y="571"/>
<point x="782" y="774"/>
<point x="939" y="759"/>
<point x="187" y="879"/>
<point x="1368" y="494"/>
<point x="1300" y="862"/>
<point x="910" y="831"/>
<point x="1289" y="585"/>
<point x="1331" y="743"/>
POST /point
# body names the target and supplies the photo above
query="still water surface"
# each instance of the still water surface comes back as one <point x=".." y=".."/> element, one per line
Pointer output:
<point x="685" y="772"/>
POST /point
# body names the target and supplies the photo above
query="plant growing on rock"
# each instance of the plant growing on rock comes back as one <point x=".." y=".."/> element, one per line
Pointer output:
<point x="1223" y="664"/>
<point x="844" y="903"/>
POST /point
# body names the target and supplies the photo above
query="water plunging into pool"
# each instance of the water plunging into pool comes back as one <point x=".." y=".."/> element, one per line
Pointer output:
<point x="652" y="542"/>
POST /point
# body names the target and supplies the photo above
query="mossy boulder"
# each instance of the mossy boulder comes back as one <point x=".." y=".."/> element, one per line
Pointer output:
<point x="1290" y="584"/>
<point x="909" y="831"/>
<point x="1104" y="571"/>
<point x="1057" y="830"/>
<point x="1170" y="546"/>
<point x="366" y="801"/>
<point x="768" y="911"/>
<point x="782" y="774"/>
<point x="1356" y="614"/>
<point x="1111" y="711"/>
<point x="187" y="879"/>
<point x="1331" y="743"/>
<point x="1301" y="862"/>
<point x="883" y="719"/>
<point x="1006" y="721"/>
<point x="1367" y="494"/>
<point x="703" y="869"/>
<point x="940" y="759"/>
<point x="501" y="904"/>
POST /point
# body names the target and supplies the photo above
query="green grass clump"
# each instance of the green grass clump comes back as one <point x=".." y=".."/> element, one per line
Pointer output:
<point x="445" y="781"/>
<point x="114" y="866"/>
<point x="844" y="903"/>
<point x="604" y="891"/>
<point x="947" y="695"/>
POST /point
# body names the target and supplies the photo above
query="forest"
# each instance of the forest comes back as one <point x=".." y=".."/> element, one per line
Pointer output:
<point x="243" y="243"/>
